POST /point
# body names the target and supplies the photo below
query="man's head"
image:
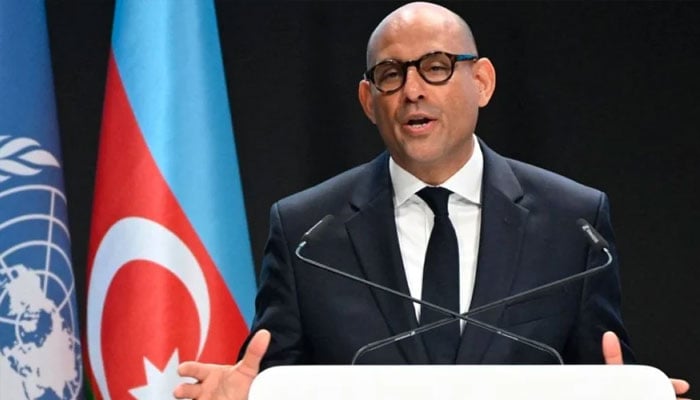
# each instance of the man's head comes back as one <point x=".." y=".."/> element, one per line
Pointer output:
<point x="427" y="127"/>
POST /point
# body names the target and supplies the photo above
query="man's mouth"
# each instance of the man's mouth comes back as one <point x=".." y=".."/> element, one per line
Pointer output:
<point x="418" y="122"/>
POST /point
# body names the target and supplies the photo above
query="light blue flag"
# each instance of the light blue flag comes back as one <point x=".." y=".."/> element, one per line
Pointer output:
<point x="40" y="353"/>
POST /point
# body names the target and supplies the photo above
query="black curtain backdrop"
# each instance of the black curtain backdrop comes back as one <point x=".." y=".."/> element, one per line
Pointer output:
<point x="605" y="93"/>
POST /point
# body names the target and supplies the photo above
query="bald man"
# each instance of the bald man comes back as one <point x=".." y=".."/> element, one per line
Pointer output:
<point x="514" y="226"/>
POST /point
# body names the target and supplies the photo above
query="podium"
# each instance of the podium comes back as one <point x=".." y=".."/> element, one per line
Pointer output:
<point x="452" y="382"/>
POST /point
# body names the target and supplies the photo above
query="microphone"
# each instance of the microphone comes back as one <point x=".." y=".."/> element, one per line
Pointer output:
<point x="596" y="241"/>
<point x="313" y="232"/>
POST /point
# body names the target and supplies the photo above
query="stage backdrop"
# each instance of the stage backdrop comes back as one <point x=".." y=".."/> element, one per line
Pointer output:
<point x="605" y="93"/>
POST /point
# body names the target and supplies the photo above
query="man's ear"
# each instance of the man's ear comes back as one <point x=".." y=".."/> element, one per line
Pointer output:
<point x="364" y="94"/>
<point x="485" y="76"/>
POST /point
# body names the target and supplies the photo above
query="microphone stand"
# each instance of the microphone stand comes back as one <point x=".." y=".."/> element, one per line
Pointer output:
<point x="596" y="240"/>
<point x="454" y="316"/>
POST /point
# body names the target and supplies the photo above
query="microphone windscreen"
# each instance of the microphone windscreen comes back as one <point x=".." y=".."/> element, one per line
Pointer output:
<point x="315" y="231"/>
<point x="597" y="240"/>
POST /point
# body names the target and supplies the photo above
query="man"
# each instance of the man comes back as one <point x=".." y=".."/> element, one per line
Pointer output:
<point x="511" y="227"/>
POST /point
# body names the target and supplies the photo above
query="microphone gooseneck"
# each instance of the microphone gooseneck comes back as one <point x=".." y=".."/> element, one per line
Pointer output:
<point x="595" y="239"/>
<point x="453" y="316"/>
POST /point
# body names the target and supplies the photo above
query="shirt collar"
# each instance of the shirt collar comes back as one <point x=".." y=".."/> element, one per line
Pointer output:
<point x="466" y="182"/>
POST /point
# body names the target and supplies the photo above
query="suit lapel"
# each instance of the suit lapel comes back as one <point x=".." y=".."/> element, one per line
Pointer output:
<point x="372" y="231"/>
<point x="502" y="228"/>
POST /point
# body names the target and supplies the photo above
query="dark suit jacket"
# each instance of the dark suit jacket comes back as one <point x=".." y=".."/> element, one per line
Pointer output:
<point x="529" y="237"/>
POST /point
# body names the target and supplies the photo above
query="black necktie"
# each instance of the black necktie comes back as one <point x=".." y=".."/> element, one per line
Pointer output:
<point x="440" y="278"/>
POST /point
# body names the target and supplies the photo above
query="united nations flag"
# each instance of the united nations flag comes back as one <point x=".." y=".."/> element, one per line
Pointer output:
<point x="40" y="352"/>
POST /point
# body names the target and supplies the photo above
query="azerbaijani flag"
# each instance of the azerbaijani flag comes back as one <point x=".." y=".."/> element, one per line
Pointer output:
<point x="170" y="268"/>
<point x="40" y="354"/>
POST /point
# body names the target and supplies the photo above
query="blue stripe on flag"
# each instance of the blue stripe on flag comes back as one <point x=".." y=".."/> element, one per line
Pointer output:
<point x="169" y="58"/>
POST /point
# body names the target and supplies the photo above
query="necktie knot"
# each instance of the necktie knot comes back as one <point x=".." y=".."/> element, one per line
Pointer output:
<point x="437" y="198"/>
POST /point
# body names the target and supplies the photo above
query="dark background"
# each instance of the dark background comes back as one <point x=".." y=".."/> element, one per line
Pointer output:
<point x="605" y="93"/>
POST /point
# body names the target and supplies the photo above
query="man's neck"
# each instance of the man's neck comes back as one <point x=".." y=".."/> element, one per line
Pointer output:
<point x="440" y="171"/>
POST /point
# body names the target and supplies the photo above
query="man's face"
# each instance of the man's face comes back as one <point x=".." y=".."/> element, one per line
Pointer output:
<point x="428" y="129"/>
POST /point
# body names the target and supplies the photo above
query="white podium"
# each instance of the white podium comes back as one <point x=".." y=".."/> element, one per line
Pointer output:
<point x="452" y="382"/>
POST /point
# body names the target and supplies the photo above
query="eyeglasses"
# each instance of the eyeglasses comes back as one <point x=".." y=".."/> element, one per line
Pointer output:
<point x="435" y="68"/>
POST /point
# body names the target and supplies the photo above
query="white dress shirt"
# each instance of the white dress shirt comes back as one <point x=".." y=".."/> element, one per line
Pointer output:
<point x="414" y="222"/>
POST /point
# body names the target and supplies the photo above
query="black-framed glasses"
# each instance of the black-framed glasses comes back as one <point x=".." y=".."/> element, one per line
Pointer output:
<point x="435" y="68"/>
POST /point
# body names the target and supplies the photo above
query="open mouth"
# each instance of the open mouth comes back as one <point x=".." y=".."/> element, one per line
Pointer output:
<point x="418" y="122"/>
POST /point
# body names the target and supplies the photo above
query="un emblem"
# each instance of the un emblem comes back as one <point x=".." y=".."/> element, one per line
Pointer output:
<point x="40" y="355"/>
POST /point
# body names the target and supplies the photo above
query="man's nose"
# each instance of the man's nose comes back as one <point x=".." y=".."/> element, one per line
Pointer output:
<point x="414" y="87"/>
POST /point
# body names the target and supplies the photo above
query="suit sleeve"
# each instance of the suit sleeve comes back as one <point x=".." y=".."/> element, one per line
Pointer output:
<point x="600" y="303"/>
<point x="276" y="302"/>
